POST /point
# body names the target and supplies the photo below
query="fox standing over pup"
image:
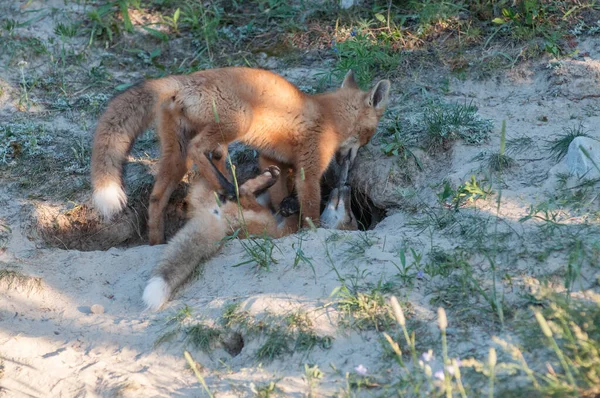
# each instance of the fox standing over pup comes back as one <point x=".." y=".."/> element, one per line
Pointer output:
<point x="198" y="113"/>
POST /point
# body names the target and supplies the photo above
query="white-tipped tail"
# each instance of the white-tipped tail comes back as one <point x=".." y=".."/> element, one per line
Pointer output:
<point x="109" y="199"/>
<point x="156" y="293"/>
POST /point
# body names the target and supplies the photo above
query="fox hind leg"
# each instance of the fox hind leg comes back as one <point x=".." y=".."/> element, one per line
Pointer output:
<point x="172" y="166"/>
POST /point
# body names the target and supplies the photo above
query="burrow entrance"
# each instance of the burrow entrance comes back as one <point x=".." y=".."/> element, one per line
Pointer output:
<point x="80" y="227"/>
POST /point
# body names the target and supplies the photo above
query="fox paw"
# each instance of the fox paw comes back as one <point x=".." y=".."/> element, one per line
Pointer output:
<point x="273" y="170"/>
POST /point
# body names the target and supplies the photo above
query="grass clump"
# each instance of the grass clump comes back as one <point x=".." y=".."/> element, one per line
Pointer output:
<point x="559" y="147"/>
<point x="15" y="279"/>
<point x="365" y="55"/>
<point x="203" y="337"/>
<point x="363" y="311"/>
<point x="19" y="139"/>
<point x="446" y="123"/>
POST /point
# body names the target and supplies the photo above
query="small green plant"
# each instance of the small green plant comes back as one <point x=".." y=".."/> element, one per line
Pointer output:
<point x="409" y="272"/>
<point x="359" y="244"/>
<point x="365" y="55"/>
<point x="202" y="337"/>
<point x="104" y="23"/>
<point x="470" y="191"/>
<point x="559" y="147"/>
<point x="446" y="123"/>
<point x="15" y="279"/>
<point x="500" y="161"/>
<point x="259" y="249"/>
<point x="264" y="391"/>
<point x="312" y="375"/>
<point x="363" y="311"/>
<point x="277" y="344"/>
<point x="66" y="30"/>
<point x="396" y="145"/>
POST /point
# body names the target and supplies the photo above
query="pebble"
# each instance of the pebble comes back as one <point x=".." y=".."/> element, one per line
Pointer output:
<point x="97" y="309"/>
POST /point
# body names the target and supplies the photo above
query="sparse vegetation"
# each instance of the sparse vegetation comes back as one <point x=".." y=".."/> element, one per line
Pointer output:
<point x="516" y="273"/>
<point x="445" y="123"/>
<point x="560" y="146"/>
<point x="13" y="279"/>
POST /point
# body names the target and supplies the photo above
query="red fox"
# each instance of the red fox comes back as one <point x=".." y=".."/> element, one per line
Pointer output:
<point x="198" y="112"/>
<point x="212" y="220"/>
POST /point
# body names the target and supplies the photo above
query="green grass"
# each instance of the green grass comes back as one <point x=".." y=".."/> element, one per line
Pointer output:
<point x="203" y="337"/>
<point x="559" y="147"/>
<point x="14" y="279"/>
<point x="446" y="123"/>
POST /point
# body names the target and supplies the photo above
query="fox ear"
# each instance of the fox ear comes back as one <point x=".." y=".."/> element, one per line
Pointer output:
<point x="349" y="81"/>
<point x="378" y="97"/>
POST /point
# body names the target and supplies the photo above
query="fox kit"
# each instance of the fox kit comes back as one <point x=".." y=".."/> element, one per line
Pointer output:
<point x="211" y="221"/>
<point x="198" y="112"/>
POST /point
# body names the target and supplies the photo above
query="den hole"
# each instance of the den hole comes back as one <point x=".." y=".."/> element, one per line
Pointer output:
<point x="80" y="228"/>
<point x="233" y="343"/>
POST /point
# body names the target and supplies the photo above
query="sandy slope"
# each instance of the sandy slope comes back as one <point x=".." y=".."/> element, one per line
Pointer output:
<point x="52" y="345"/>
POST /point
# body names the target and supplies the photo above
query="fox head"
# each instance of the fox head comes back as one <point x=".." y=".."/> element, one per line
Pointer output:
<point x="369" y="107"/>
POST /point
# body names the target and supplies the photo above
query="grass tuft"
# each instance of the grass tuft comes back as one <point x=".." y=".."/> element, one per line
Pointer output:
<point x="559" y="147"/>
<point x="13" y="279"/>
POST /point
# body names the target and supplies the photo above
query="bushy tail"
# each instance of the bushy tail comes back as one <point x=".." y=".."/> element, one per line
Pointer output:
<point x="126" y="117"/>
<point x="197" y="241"/>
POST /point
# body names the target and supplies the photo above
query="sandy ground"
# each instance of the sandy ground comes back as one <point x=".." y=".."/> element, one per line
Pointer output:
<point x="52" y="344"/>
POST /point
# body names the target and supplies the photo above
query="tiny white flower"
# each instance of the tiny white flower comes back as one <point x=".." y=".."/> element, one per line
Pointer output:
<point x="451" y="370"/>
<point x="361" y="370"/>
<point x="427" y="356"/>
<point x="439" y="375"/>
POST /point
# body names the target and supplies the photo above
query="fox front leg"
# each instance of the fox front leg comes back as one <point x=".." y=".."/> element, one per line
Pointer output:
<point x="308" y="186"/>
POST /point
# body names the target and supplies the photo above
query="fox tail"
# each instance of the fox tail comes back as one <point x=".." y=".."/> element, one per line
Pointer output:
<point x="197" y="241"/>
<point x="126" y="117"/>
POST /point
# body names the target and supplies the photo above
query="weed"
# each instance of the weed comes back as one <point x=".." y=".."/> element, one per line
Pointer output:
<point x="445" y="123"/>
<point x="397" y="145"/>
<point x="359" y="244"/>
<point x="22" y="139"/>
<point x="560" y="146"/>
<point x="517" y="146"/>
<point x="363" y="311"/>
<point x="278" y="343"/>
<point x="5" y="232"/>
<point x="202" y="337"/>
<point x="470" y="191"/>
<point x="66" y="31"/>
<point x="14" y="279"/>
<point x="173" y="325"/>
<point x="364" y="55"/>
<point x="259" y="249"/>
<point x="498" y="162"/>
<point x="409" y="272"/>
<point x="264" y="391"/>
<point x="312" y="375"/>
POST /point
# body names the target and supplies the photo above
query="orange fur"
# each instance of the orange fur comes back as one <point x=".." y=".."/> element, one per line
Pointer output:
<point x="199" y="112"/>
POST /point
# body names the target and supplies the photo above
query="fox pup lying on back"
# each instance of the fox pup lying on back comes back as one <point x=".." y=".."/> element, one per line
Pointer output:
<point x="212" y="220"/>
<point x="198" y="112"/>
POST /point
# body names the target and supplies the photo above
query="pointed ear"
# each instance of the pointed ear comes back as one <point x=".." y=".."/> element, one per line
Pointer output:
<point x="378" y="97"/>
<point x="349" y="81"/>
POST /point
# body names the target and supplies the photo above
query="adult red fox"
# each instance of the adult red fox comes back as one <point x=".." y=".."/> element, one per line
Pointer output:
<point x="198" y="112"/>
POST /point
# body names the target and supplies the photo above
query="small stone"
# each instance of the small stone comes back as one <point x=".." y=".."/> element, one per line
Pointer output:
<point x="345" y="4"/>
<point x="97" y="309"/>
<point x="581" y="163"/>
